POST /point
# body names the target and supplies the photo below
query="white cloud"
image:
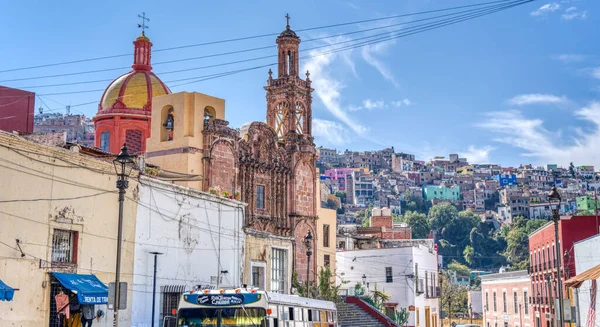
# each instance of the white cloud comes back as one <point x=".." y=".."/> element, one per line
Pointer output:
<point x="537" y="98"/>
<point x="477" y="155"/>
<point x="330" y="132"/>
<point x="570" y="57"/>
<point x="370" y="104"/>
<point x="548" y="146"/>
<point x="369" y="53"/>
<point x="572" y="13"/>
<point x="328" y="89"/>
<point x="595" y="72"/>
<point x="545" y="9"/>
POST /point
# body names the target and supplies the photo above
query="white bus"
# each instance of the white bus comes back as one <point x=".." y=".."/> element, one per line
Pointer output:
<point x="237" y="308"/>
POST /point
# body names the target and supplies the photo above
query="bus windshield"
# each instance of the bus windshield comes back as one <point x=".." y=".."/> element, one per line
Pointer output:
<point x="221" y="317"/>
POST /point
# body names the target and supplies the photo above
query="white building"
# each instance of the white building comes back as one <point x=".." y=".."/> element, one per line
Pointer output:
<point x="201" y="240"/>
<point x="408" y="274"/>
<point x="587" y="256"/>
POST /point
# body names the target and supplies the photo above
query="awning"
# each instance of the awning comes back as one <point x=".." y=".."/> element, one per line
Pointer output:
<point x="89" y="289"/>
<point x="590" y="274"/>
<point x="6" y="292"/>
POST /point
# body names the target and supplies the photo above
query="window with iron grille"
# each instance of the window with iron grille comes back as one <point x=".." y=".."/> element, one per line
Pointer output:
<point x="171" y="295"/>
<point x="278" y="263"/>
<point x="64" y="246"/>
<point x="516" y="302"/>
<point x="526" y="303"/>
<point x="326" y="259"/>
<point x="388" y="275"/>
<point x="487" y="301"/>
<point x="326" y="236"/>
<point x="260" y="197"/>
<point x="504" y="302"/>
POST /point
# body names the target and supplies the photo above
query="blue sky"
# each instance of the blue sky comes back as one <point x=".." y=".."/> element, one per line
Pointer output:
<point x="519" y="86"/>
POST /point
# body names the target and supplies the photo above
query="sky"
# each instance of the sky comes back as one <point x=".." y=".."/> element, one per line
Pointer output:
<point x="514" y="87"/>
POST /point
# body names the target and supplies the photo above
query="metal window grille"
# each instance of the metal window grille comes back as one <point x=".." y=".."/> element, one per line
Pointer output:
<point x="62" y="246"/>
<point x="516" y="302"/>
<point x="388" y="275"/>
<point x="504" y="302"/>
<point x="278" y="270"/>
<point x="326" y="259"/>
<point x="171" y="295"/>
<point x="526" y="303"/>
<point x="326" y="236"/>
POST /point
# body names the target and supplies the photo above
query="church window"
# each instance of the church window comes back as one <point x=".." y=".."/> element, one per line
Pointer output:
<point x="281" y="114"/>
<point x="105" y="141"/>
<point x="287" y="63"/>
<point x="260" y="197"/>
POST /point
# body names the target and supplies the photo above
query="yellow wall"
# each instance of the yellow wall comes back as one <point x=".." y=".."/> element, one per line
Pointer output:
<point x="84" y="200"/>
<point x="258" y="252"/>
<point x="188" y="111"/>
<point x="326" y="217"/>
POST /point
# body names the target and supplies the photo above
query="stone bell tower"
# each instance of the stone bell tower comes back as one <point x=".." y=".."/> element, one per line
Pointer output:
<point x="289" y="114"/>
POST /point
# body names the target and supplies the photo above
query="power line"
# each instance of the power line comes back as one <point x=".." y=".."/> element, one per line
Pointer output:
<point x="259" y="36"/>
<point x="394" y="35"/>
<point x="245" y="50"/>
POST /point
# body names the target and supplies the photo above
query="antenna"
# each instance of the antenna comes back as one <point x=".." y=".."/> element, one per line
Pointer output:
<point x="41" y="110"/>
<point x="68" y="107"/>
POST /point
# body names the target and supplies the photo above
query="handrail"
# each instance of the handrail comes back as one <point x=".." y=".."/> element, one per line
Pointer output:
<point x="372" y="311"/>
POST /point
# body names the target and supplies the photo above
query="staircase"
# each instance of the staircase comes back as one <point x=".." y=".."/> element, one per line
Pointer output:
<point x="360" y="314"/>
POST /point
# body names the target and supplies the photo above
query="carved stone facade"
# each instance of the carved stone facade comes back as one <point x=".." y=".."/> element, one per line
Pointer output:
<point x="272" y="165"/>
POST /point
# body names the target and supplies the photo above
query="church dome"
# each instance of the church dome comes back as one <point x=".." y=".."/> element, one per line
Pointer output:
<point x="288" y="33"/>
<point x="133" y="92"/>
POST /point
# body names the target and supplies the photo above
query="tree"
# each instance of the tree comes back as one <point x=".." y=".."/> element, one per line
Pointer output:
<point x="454" y="297"/>
<point x="411" y="202"/>
<point x="341" y="195"/>
<point x="332" y="204"/>
<point x="418" y="223"/>
<point x="441" y="214"/>
<point x="324" y="289"/>
<point x="454" y="236"/>
<point x="517" y="241"/>
<point x="459" y="269"/>
<point x="469" y="254"/>
<point x="572" y="169"/>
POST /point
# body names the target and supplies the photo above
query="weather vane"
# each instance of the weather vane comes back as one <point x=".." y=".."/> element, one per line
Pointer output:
<point x="143" y="25"/>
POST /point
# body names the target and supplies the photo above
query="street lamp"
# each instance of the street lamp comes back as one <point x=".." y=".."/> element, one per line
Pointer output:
<point x="308" y="243"/>
<point x="555" y="200"/>
<point x="364" y="279"/>
<point x="123" y="165"/>
<point x="156" y="254"/>
<point x="471" y="311"/>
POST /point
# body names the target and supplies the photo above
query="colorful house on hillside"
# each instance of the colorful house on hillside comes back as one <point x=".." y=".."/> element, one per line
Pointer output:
<point x="441" y="192"/>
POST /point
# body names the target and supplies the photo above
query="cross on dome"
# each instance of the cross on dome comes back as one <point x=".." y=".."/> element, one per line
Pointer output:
<point x="143" y="25"/>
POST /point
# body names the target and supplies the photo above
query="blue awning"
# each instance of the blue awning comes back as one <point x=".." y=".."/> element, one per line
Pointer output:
<point x="89" y="289"/>
<point x="6" y="292"/>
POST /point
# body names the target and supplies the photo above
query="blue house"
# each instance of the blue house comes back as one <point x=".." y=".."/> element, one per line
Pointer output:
<point x="507" y="179"/>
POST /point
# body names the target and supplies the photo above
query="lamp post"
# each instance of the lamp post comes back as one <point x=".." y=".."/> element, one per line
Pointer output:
<point x="471" y="312"/>
<point x="308" y="243"/>
<point x="555" y="200"/>
<point x="156" y="254"/>
<point x="364" y="279"/>
<point x="122" y="163"/>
